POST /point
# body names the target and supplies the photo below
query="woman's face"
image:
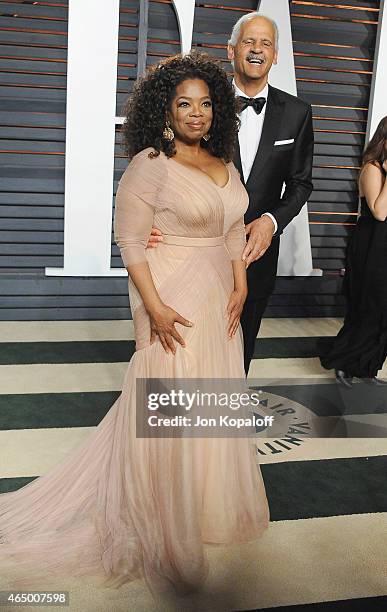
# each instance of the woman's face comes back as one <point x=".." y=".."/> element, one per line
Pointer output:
<point x="191" y="111"/>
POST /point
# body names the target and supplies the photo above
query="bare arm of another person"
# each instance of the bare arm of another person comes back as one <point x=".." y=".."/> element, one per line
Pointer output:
<point x="134" y="211"/>
<point x="374" y="187"/>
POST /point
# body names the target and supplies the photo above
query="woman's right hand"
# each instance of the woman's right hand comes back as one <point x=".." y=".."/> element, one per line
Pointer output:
<point x="162" y="322"/>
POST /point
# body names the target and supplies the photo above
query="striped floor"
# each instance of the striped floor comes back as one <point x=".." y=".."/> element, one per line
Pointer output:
<point x="327" y="542"/>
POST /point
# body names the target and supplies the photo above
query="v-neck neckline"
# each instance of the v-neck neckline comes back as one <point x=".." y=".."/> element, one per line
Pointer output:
<point x="196" y="169"/>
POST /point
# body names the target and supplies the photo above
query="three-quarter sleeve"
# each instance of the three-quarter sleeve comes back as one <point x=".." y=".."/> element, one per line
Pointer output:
<point x="136" y="200"/>
<point x="236" y="239"/>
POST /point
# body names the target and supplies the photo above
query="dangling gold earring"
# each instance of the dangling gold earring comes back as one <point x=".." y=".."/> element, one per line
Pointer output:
<point x="168" y="132"/>
<point x="207" y="137"/>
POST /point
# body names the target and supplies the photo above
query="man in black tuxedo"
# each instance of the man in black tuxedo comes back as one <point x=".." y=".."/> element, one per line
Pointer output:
<point x="275" y="148"/>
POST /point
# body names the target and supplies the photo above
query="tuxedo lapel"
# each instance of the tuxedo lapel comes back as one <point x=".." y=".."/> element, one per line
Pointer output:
<point x="238" y="161"/>
<point x="270" y="128"/>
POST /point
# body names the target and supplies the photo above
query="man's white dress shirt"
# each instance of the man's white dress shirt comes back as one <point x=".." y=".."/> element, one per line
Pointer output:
<point x="250" y="135"/>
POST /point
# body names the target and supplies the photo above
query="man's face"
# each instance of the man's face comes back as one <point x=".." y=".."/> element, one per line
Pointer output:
<point x="255" y="52"/>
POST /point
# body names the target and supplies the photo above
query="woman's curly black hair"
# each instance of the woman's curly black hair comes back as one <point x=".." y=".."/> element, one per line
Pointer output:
<point x="145" y="111"/>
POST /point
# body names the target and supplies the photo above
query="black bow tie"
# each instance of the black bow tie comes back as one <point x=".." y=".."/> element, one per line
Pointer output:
<point x="256" y="103"/>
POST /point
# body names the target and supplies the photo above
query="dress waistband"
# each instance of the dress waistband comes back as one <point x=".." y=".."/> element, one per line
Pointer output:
<point x="191" y="241"/>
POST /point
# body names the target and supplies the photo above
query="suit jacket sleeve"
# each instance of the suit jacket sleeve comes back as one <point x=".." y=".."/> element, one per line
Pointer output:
<point x="299" y="179"/>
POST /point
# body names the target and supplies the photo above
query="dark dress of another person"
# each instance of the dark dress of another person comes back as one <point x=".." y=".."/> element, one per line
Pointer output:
<point x="360" y="347"/>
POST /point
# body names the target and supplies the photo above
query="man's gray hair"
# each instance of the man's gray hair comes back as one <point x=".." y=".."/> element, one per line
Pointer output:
<point x="237" y="27"/>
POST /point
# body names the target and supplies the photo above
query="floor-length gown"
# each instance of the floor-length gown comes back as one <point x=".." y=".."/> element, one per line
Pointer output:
<point x="360" y="347"/>
<point x="120" y="507"/>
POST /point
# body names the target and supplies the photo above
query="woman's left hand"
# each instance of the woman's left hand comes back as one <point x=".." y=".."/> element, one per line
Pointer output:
<point x="234" y="310"/>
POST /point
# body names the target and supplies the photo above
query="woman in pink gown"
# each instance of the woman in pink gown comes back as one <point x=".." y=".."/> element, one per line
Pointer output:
<point x="121" y="507"/>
